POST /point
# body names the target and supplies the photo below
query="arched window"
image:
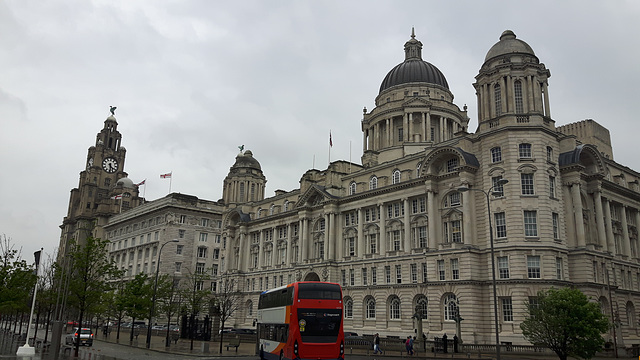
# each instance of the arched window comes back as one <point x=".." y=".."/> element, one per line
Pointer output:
<point x="421" y="307"/>
<point x="450" y="304"/>
<point x="497" y="99"/>
<point x="373" y="183"/>
<point x="352" y="188"/>
<point x="348" y="308"/>
<point x="271" y="209"/>
<point x="258" y="213"/>
<point x="418" y="170"/>
<point x="286" y="205"/>
<point x="396" y="176"/>
<point x="242" y="191"/>
<point x="517" y="92"/>
<point x="394" y="308"/>
<point x="370" y="307"/>
<point x="631" y="314"/>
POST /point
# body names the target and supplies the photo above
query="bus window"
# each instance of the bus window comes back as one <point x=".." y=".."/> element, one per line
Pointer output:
<point x="319" y="291"/>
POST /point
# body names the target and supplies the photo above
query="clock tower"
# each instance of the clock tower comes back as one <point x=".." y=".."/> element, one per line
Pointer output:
<point x="103" y="189"/>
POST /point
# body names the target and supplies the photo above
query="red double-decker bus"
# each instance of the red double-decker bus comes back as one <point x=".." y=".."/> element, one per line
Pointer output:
<point x="301" y="321"/>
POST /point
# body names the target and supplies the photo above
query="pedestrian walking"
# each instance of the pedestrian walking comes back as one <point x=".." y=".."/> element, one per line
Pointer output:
<point x="408" y="345"/>
<point x="376" y="344"/>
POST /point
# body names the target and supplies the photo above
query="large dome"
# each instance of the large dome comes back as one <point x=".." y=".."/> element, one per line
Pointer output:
<point x="413" y="69"/>
<point x="508" y="44"/>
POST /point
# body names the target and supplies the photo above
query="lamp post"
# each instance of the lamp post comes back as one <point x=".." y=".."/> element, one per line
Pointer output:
<point x="498" y="184"/>
<point x="155" y="290"/>
<point x="26" y="350"/>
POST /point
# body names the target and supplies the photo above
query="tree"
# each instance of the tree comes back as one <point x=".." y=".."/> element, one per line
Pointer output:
<point x="168" y="300"/>
<point x="227" y="301"/>
<point x="196" y="297"/>
<point x="565" y="321"/>
<point x="17" y="278"/>
<point x="90" y="270"/>
<point x="137" y="299"/>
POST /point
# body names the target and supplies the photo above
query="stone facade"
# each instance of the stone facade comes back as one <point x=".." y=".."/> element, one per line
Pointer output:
<point x="407" y="233"/>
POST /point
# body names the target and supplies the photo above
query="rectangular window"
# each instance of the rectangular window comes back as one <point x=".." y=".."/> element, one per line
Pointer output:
<point x="452" y="165"/>
<point x="374" y="276"/>
<point x="199" y="268"/>
<point x="507" y="309"/>
<point x="424" y="272"/>
<point x="549" y="154"/>
<point x="183" y="219"/>
<point x="526" y="184"/>
<point x="214" y="270"/>
<point x="398" y="274"/>
<point x="204" y="222"/>
<point x="498" y="189"/>
<point x="216" y="253"/>
<point x="400" y="135"/>
<point x="530" y="223"/>
<point x="441" y="274"/>
<point x="202" y="252"/>
<point x="373" y="243"/>
<point x="178" y="266"/>
<point x="344" y="277"/>
<point x="387" y="274"/>
<point x="524" y="151"/>
<point x="396" y="240"/>
<point x="364" y="276"/>
<point x="517" y="92"/>
<point x="422" y="236"/>
<point x="455" y="270"/>
<point x="203" y="237"/>
<point x="501" y="225"/>
<point x="199" y="285"/>
<point x="456" y="231"/>
<point x="352" y="277"/>
<point x="559" y="271"/>
<point x="503" y="267"/>
<point x="552" y="187"/>
<point x="352" y="246"/>
<point x="181" y="234"/>
<point x="555" y="219"/>
<point x="496" y="154"/>
<point x="533" y="267"/>
<point x="414" y="273"/>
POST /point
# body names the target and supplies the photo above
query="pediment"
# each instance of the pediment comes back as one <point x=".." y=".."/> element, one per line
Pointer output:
<point x="314" y="196"/>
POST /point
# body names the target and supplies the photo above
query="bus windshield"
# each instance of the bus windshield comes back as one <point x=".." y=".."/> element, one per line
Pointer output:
<point x="319" y="291"/>
<point x="319" y="325"/>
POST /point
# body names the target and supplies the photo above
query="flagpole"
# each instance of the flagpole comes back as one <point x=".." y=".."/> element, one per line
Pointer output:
<point x="330" y="145"/>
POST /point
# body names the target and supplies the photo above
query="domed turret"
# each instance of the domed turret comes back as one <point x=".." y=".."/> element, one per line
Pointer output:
<point x="512" y="85"/>
<point x="126" y="183"/>
<point x="245" y="181"/>
<point x="508" y="44"/>
<point x="413" y="69"/>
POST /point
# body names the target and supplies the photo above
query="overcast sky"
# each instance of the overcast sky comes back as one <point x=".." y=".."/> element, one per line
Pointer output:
<point x="193" y="80"/>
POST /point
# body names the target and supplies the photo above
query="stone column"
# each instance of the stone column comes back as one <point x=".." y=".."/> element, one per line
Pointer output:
<point x="389" y="126"/>
<point x="547" y="109"/>
<point x="611" y="242"/>
<point x="512" y="97"/>
<point x="303" y="240"/>
<point x="289" y="241"/>
<point x="383" y="230"/>
<point x="432" y="217"/>
<point x="410" y="127"/>
<point x="407" y="226"/>
<point x="427" y="134"/>
<point x="441" y="129"/>
<point x="602" y="235"/>
<point x="626" y="242"/>
<point x="577" y="214"/>
<point x="503" y="95"/>
<point x="405" y="120"/>
<point x="360" y="251"/>
<point x="331" y="241"/>
<point x="364" y="141"/>
<point x="261" y="252"/>
<point x="467" y="226"/>
<point x="637" y="247"/>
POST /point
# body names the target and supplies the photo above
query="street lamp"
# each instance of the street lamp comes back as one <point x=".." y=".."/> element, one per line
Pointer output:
<point x="155" y="289"/>
<point x="497" y="184"/>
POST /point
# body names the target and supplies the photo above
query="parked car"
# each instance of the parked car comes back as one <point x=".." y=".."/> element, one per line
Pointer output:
<point x="245" y="331"/>
<point x="159" y="327"/>
<point x="86" y="337"/>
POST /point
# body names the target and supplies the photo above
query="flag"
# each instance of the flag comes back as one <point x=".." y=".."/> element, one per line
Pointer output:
<point x="330" y="141"/>
<point x="116" y="197"/>
<point x="142" y="182"/>
<point x="165" y="176"/>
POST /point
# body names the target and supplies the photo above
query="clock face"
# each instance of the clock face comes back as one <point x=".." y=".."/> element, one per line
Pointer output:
<point x="89" y="163"/>
<point x="110" y="165"/>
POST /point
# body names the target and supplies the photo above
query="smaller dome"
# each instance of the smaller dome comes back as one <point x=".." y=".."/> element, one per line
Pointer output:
<point x="111" y="118"/>
<point x="508" y="44"/>
<point x="125" y="183"/>
<point x="246" y="160"/>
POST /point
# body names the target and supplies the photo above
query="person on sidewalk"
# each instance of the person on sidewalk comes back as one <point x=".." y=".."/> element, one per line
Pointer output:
<point x="376" y="344"/>
<point x="407" y="345"/>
